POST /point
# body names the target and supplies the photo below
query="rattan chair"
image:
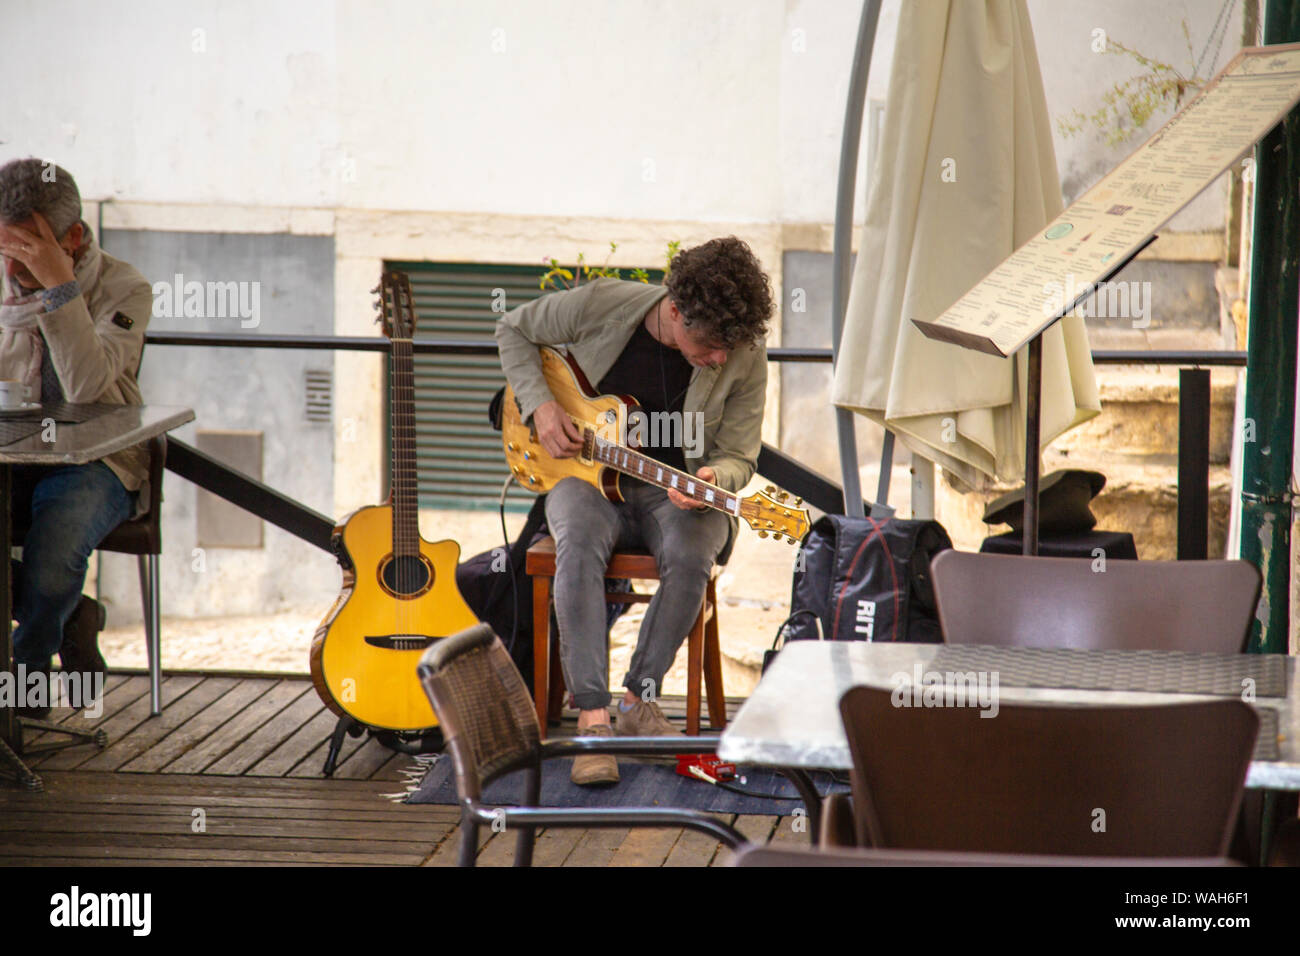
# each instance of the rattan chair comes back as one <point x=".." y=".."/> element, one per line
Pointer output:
<point x="1015" y="601"/>
<point x="490" y="726"/>
<point x="1163" y="780"/>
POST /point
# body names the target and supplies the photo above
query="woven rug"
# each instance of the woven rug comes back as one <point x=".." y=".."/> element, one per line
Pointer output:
<point x="640" y="785"/>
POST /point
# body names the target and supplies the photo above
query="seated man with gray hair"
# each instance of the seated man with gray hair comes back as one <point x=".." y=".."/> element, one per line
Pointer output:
<point x="72" y="324"/>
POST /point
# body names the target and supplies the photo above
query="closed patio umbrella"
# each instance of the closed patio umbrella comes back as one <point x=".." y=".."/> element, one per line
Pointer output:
<point x="967" y="173"/>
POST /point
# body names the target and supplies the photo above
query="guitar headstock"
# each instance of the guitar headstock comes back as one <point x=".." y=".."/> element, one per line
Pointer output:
<point x="396" y="311"/>
<point x="767" y="512"/>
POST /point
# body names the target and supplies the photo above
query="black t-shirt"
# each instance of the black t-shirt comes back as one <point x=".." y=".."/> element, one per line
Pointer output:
<point x="657" y="377"/>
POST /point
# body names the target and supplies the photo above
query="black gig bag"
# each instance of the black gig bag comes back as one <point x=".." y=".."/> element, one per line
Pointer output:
<point x="867" y="579"/>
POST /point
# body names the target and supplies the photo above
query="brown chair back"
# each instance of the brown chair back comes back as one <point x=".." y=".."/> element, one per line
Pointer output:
<point x="784" y="857"/>
<point x="143" y="535"/>
<point x="483" y="707"/>
<point x="1161" y="780"/>
<point x="1010" y="600"/>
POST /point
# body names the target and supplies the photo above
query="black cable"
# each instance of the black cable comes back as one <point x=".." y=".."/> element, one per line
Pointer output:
<point x="510" y="569"/>
<point x="733" y="788"/>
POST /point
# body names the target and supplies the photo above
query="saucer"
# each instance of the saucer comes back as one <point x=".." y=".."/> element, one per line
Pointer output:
<point x="24" y="407"/>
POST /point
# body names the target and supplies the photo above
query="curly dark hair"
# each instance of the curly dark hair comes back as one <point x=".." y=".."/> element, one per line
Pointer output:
<point x="722" y="292"/>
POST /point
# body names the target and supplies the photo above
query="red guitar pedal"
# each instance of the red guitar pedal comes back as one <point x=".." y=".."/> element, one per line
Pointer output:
<point x="706" y="767"/>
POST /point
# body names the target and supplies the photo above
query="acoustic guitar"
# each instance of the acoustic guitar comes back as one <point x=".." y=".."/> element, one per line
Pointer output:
<point x="603" y="423"/>
<point x="399" y="590"/>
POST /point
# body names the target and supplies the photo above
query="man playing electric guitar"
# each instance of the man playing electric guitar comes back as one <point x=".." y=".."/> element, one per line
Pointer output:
<point x="692" y="348"/>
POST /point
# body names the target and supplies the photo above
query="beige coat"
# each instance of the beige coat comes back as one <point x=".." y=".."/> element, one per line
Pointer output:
<point x="95" y="357"/>
<point x="596" y="321"/>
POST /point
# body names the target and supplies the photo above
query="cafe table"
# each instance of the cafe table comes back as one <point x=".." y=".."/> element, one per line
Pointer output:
<point x="792" y="719"/>
<point x="59" y="434"/>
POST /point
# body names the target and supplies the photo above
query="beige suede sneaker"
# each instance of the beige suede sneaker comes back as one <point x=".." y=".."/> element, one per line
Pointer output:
<point x="591" y="770"/>
<point x="645" y="719"/>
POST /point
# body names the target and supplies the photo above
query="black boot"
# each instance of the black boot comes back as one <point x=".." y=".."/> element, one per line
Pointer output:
<point x="80" y="650"/>
<point x="38" y="711"/>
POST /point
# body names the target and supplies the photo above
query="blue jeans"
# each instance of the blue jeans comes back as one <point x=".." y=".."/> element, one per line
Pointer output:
<point x="71" y="508"/>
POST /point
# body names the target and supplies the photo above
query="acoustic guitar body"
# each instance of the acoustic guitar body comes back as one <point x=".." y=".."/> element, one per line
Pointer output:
<point x="536" y="470"/>
<point x="364" y="655"/>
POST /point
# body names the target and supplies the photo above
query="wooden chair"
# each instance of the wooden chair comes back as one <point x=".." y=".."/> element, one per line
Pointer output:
<point x="490" y="729"/>
<point x="142" y="537"/>
<point x="1036" y="779"/>
<point x="1017" y="601"/>
<point x="704" y="655"/>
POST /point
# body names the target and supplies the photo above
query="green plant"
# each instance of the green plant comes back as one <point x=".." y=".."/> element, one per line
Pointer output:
<point x="558" y="277"/>
<point x="1127" y="106"/>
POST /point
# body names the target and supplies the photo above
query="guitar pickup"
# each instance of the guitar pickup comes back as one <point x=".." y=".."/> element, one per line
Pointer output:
<point x="400" y="642"/>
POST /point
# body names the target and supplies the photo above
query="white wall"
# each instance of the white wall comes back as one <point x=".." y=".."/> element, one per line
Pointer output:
<point x="705" y="110"/>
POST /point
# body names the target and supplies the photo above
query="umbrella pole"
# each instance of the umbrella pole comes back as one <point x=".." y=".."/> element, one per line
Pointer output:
<point x="1033" y="411"/>
<point x="1034" y="406"/>
<point x="843" y="243"/>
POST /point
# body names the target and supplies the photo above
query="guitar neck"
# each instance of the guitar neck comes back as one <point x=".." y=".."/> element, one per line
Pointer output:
<point x="405" y="488"/>
<point x="633" y="463"/>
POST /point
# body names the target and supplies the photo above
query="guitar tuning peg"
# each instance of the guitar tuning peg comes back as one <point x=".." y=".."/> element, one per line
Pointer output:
<point x="762" y="534"/>
<point x="798" y="502"/>
<point x="770" y="489"/>
<point x="782" y="495"/>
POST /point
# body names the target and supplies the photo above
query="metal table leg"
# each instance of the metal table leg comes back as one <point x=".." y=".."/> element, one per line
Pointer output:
<point x="812" y="800"/>
<point x="11" y="728"/>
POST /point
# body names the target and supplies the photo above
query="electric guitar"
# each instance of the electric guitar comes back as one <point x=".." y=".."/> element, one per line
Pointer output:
<point x="602" y="422"/>
<point x="399" y="590"/>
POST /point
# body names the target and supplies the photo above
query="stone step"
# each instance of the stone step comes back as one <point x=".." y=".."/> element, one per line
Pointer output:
<point x="1139" y="415"/>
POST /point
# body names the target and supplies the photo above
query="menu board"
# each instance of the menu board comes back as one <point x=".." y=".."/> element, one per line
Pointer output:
<point x="1120" y="214"/>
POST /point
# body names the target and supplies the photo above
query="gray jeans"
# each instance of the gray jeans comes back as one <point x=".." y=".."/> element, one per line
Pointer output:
<point x="588" y="528"/>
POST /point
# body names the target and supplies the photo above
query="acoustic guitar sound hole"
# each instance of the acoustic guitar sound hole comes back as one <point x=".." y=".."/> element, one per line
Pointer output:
<point x="406" y="576"/>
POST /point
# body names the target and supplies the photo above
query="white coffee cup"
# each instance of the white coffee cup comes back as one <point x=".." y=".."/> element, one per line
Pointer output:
<point x="13" y="394"/>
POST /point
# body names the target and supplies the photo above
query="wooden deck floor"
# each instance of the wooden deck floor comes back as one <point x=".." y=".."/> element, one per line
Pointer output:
<point x="230" y="774"/>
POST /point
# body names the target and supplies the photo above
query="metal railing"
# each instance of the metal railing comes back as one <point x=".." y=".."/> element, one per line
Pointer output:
<point x="816" y="489"/>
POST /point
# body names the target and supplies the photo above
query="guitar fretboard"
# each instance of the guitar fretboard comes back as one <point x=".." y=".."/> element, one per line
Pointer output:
<point x="628" y="461"/>
<point x="405" y="487"/>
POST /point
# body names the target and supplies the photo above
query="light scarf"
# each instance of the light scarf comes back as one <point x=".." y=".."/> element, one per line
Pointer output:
<point x="20" y="309"/>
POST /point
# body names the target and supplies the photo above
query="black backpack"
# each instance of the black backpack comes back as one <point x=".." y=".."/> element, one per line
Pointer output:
<point x="866" y="579"/>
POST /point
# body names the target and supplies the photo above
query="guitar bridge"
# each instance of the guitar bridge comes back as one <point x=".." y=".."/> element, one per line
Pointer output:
<point x="400" y="642"/>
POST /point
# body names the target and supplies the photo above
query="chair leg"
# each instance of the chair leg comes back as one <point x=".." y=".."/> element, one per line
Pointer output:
<point x="694" y="667"/>
<point x="555" y="697"/>
<point x="468" y="842"/>
<point x="150" y="598"/>
<point x="713" y="664"/>
<point x="541" y="647"/>
<point x="528" y="835"/>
